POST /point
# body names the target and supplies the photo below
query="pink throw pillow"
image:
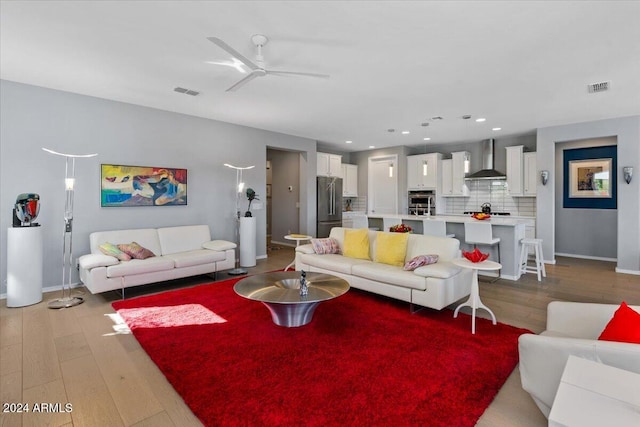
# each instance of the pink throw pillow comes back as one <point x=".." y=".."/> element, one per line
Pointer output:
<point x="136" y="251"/>
<point x="325" y="246"/>
<point x="419" y="261"/>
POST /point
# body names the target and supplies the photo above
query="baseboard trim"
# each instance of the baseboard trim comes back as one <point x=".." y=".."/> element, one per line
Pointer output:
<point x="50" y="289"/>
<point x="624" y="271"/>
<point x="595" y="258"/>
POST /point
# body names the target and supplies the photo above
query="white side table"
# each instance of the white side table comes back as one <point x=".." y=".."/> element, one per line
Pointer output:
<point x="592" y="394"/>
<point x="474" y="298"/>
<point x="298" y="238"/>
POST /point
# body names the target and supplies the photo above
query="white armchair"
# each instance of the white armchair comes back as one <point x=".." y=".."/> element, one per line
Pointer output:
<point x="572" y="329"/>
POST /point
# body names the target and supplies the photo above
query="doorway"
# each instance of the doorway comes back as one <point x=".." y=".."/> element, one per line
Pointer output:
<point x="383" y="185"/>
<point x="283" y="195"/>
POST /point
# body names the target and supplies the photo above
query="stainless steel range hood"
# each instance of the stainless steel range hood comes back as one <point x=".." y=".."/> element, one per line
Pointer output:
<point x="487" y="171"/>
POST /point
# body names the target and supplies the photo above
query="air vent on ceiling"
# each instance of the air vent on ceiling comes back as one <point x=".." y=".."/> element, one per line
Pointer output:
<point x="186" y="91"/>
<point x="599" y="87"/>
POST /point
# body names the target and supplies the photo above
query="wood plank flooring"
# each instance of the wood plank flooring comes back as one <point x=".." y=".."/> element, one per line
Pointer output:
<point x="80" y="356"/>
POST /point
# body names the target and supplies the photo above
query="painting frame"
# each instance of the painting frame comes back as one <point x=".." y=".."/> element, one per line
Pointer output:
<point x="136" y="186"/>
<point x="577" y="196"/>
<point x="590" y="178"/>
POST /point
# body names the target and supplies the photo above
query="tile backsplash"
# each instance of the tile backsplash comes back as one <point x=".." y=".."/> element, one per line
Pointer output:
<point x="357" y="203"/>
<point x="493" y="192"/>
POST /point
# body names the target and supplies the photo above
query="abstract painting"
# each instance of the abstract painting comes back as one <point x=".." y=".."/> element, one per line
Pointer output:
<point x="142" y="186"/>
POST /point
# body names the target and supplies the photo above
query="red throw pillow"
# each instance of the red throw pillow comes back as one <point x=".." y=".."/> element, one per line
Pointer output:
<point x="623" y="327"/>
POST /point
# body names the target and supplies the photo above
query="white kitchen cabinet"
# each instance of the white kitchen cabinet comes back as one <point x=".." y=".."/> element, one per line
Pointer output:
<point x="423" y="171"/>
<point x="530" y="174"/>
<point x="349" y="180"/>
<point x="329" y="165"/>
<point x="453" y="173"/>
<point x="515" y="172"/>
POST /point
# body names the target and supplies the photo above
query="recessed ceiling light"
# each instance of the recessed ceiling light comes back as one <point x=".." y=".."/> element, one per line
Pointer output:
<point x="348" y="142"/>
<point x="372" y="146"/>
<point x="405" y="132"/>
<point x="426" y="139"/>
<point x="496" y="129"/>
<point x="481" y="119"/>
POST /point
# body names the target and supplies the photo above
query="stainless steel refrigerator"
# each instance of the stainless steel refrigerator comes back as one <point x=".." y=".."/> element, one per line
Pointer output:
<point x="329" y="191"/>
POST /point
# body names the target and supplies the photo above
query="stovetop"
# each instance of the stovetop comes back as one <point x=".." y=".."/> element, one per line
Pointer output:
<point x="492" y="213"/>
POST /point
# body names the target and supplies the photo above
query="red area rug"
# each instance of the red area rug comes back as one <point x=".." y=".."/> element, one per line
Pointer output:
<point x="363" y="360"/>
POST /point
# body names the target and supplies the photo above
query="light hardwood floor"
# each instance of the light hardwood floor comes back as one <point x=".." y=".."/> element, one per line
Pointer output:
<point x="81" y="356"/>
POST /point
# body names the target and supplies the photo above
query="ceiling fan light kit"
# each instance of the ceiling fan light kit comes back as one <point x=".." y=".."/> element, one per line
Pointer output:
<point x="257" y="68"/>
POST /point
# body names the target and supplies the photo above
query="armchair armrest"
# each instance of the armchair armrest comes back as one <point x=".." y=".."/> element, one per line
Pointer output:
<point x="89" y="261"/>
<point x="219" y="245"/>
<point x="305" y="249"/>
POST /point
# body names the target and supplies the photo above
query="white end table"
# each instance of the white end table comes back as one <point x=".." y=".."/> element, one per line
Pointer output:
<point x="474" y="298"/>
<point x="592" y="394"/>
<point x="298" y="238"/>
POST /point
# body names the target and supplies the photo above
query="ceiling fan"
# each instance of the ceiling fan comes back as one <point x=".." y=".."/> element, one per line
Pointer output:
<point x="257" y="68"/>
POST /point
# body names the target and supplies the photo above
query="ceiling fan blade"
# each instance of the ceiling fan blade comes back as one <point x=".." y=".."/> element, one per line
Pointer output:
<point x="242" y="82"/>
<point x="233" y="52"/>
<point x="296" y="73"/>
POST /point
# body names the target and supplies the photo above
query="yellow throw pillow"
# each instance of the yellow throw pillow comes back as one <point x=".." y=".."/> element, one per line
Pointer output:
<point x="391" y="248"/>
<point x="356" y="243"/>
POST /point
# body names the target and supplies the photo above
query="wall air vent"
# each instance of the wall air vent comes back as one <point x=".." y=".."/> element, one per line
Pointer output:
<point x="186" y="91"/>
<point x="599" y="87"/>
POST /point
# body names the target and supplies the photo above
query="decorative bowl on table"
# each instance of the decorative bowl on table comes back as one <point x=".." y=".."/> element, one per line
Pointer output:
<point x="400" y="228"/>
<point x="480" y="216"/>
<point x="475" y="255"/>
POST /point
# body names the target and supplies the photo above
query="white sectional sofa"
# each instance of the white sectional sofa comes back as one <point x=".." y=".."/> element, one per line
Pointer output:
<point x="435" y="286"/>
<point x="180" y="252"/>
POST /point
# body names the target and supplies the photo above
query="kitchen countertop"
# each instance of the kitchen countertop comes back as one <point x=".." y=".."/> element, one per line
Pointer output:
<point x="495" y="220"/>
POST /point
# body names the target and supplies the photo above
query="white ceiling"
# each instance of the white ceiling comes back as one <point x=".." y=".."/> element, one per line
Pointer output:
<point x="522" y="65"/>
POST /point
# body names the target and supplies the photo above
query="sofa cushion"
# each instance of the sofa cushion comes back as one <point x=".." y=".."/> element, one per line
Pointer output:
<point x="356" y="243"/>
<point x="623" y="327"/>
<point x="183" y="238"/>
<point x="389" y="274"/>
<point x="198" y="257"/>
<point x="332" y="262"/>
<point x="445" y="247"/>
<point x="140" y="266"/>
<point x="440" y="270"/>
<point x="391" y="248"/>
<point x="419" y="261"/>
<point x="219" y="245"/>
<point x="147" y="237"/>
<point x="112" y="250"/>
<point x="325" y="246"/>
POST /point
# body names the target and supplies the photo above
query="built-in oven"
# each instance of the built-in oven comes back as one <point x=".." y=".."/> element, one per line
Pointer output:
<point x="422" y="202"/>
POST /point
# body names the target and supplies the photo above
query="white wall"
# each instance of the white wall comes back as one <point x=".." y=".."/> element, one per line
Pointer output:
<point x="627" y="132"/>
<point x="33" y="117"/>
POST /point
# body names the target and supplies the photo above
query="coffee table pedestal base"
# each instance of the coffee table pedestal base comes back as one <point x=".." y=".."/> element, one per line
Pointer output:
<point x="292" y="315"/>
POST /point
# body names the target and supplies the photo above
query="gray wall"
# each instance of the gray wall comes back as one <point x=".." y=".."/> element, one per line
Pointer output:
<point x="584" y="232"/>
<point x="33" y="117"/>
<point x="285" y="173"/>
<point x="627" y="132"/>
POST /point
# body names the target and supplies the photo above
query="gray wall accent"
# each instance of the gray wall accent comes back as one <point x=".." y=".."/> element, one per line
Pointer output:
<point x="627" y="131"/>
<point x="285" y="172"/>
<point x="584" y="232"/>
<point x="32" y="117"/>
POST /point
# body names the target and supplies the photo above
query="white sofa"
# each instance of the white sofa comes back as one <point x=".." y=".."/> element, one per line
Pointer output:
<point x="435" y="286"/>
<point x="572" y="329"/>
<point x="180" y="252"/>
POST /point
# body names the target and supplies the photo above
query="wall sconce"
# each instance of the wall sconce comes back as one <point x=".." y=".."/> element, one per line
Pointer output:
<point x="391" y="170"/>
<point x="425" y="168"/>
<point x="544" y="177"/>
<point x="627" y="173"/>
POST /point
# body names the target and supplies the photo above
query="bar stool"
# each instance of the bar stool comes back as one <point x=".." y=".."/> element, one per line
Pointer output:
<point x="435" y="227"/>
<point x="360" y="221"/>
<point x="536" y="245"/>
<point x="481" y="233"/>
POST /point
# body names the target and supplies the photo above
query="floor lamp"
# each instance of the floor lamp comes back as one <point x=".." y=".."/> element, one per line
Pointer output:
<point x="239" y="188"/>
<point x="67" y="242"/>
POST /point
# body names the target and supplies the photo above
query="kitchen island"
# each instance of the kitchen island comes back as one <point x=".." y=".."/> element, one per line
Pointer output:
<point x="509" y="230"/>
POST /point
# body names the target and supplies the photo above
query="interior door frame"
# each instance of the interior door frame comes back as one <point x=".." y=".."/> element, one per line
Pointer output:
<point x="392" y="158"/>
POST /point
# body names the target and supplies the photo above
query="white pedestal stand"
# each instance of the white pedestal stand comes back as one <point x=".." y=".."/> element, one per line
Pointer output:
<point x="474" y="298"/>
<point x="24" y="266"/>
<point x="247" y="242"/>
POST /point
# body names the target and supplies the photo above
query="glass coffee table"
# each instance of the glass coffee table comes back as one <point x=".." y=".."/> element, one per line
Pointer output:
<point x="280" y="293"/>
